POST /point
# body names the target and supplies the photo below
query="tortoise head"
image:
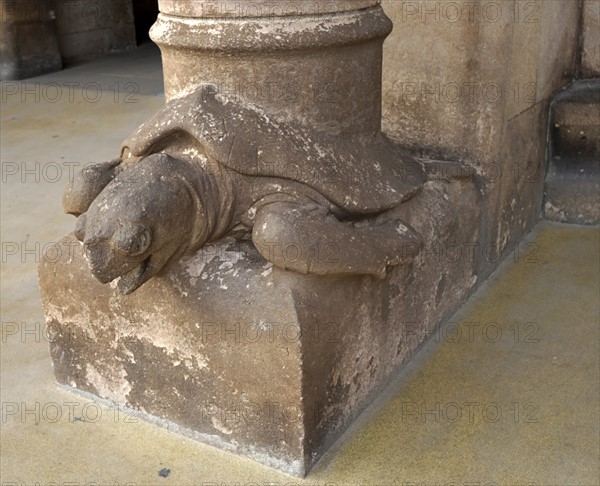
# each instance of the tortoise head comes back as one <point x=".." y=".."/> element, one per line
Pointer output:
<point x="126" y="253"/>
<point x="140" y="222"/>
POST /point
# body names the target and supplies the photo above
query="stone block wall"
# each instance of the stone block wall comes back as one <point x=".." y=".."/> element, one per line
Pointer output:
<point x="472" y="82"/>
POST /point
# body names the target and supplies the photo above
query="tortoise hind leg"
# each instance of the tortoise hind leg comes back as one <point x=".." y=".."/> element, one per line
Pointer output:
<point x="306" y="239"/>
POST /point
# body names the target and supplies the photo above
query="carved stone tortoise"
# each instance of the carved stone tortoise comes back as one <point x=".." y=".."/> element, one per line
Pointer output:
<point x="207" y="164"/>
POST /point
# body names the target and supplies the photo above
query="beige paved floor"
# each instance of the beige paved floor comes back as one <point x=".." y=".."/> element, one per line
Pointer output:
<point x="510" y="397"/>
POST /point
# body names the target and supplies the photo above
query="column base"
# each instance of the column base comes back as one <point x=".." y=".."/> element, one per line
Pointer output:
<point x="269" y="364"/>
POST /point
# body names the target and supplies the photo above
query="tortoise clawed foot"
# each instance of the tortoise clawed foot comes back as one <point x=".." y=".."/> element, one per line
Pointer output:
<point x="393" y="242"/>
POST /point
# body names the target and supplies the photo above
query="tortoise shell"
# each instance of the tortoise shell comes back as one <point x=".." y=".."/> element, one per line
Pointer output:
<point x="360" y="178"/>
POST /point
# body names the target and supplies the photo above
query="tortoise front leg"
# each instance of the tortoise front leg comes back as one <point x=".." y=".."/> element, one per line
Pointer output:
<point x="87" y="184"/>
<point x="306" y="239"/>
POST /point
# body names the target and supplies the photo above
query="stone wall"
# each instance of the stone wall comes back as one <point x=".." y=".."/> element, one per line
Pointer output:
<point x="471" y="81"/>
<point x="93" y="27"/>
<point x="590" y="56"/>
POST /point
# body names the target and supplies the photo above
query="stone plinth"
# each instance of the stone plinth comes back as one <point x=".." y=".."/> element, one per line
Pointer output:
<point x="236" y="353"/>
<point x="228" y="345"/>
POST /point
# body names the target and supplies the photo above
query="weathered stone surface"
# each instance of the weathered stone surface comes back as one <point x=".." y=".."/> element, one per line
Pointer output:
<point x="492" y="69"/>
<point x="590" y="57"/>
<point x="182" y="348"/>
<point x="207" y="164"/>
<point x="28" y="39"/>
<point x="488" y="62"/>
<point x="271" y="62"/>
<point x="464" y="79"/>
<point x="260" y="8"/>
<point x="210" y="162"/>
<point x="382" y="323"/>
<point x="317" y="188"/>
<point x="353" y="321"/>
<point x="252" y="359"/>
<point x="559" y="41"/>
<point x="514" y="185"/>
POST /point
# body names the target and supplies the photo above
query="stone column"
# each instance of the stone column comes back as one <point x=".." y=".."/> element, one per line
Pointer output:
<point x="28" y="40"/>
<point x="314" y="62"/>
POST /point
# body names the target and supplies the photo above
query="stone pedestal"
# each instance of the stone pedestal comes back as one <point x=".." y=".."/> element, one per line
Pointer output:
<point x="28" y="40"/>
<point x="223" y="345"/>
<point x="236" y="353"/>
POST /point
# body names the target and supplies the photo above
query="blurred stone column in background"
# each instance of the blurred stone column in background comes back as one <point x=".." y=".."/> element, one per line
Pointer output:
<point x="90" y="28"/>
<point x="28" y="39"/>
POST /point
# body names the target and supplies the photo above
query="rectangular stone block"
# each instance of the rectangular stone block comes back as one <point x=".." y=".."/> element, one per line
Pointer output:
<point x="515" y="191"/>
<point x="269" y="364"/>
<point x="445" y="77"/>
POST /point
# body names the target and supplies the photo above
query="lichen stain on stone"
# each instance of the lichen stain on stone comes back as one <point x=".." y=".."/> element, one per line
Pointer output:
<point x="268" y="270"/>
<point x="217" y="424"/>
<point x="114" y="386"/>
<point x="152" y="327"/>
<point x="195" y="264"/>
<point x="81" y="319"/>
